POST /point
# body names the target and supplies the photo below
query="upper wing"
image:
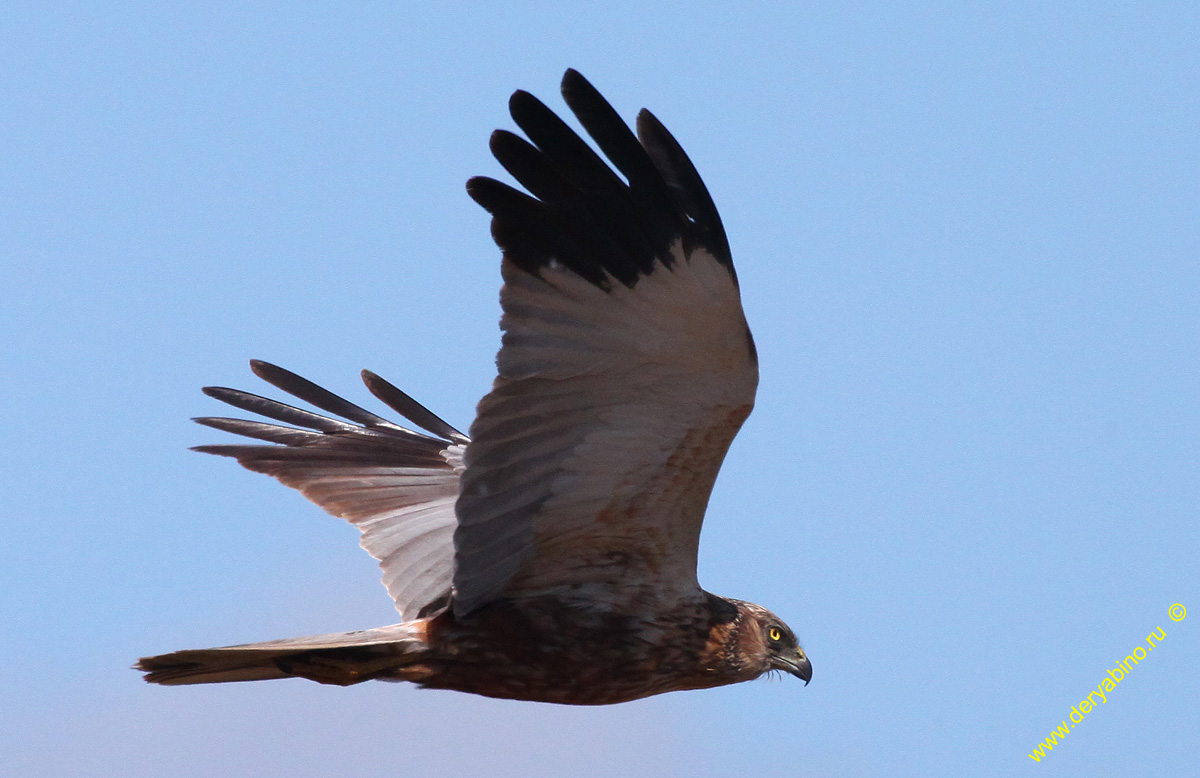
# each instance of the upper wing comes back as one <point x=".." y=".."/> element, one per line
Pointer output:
<point x="396" y="485"/>
<point x="626" y="366"/>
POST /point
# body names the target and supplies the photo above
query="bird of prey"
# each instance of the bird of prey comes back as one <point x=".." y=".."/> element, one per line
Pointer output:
<point x="550" y="556"/>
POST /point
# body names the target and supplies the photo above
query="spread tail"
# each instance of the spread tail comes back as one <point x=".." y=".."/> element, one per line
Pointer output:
<point x="342" y="658"/>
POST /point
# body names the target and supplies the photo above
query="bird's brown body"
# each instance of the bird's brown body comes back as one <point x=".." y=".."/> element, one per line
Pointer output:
<point x="542" y="649"/>
<point x="548" y="650"/>
<point x="550" y="555"/>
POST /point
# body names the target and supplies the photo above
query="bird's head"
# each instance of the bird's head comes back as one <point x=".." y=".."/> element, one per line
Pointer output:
<point x="762" y="642"/>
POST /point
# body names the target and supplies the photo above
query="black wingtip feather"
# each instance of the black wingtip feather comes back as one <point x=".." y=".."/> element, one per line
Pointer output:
<point x="307" y="427"/>
<point x="531" y="235"/>
<point x="583" y="215"/>
<point x="685" y="183"/>
<point x="273" y="409"/>
<point x="318" y="396"/>
<point x="418" y="414"/>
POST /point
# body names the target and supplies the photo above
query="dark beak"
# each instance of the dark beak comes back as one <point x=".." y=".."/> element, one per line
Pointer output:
<point x="798" y="666"/>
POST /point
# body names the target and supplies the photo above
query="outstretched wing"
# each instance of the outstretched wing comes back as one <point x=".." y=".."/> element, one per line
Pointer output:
<point x="396" y="485"/>
<point x="625" y="371"/>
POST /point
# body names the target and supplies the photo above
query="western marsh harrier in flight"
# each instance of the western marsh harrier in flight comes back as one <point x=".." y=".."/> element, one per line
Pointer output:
<point x="551" y="556"/>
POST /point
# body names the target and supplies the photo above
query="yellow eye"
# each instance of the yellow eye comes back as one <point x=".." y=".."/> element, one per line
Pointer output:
<point x="775" y="634"/>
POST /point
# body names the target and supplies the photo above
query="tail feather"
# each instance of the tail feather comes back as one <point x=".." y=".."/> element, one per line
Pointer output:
<point x="342" y="658"/>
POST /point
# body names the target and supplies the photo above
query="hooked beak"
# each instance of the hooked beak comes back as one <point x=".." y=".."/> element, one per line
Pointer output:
<point x="798" y="666"/>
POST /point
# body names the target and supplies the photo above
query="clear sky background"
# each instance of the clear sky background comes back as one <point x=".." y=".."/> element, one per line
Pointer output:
<point x="967" y="239"/>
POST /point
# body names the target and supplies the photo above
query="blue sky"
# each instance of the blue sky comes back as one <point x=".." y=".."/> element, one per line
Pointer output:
<point x="967" y="243"/>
